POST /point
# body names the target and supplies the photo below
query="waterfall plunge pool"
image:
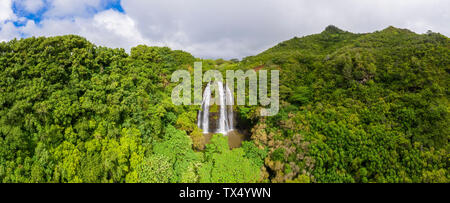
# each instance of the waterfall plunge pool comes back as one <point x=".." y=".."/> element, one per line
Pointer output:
<point x="219" y="117"/>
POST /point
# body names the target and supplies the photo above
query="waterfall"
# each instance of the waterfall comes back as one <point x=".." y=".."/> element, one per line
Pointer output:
<point x="203" y="118"/>
<point x="224" y="123"/>
<point x="230" y="102"/>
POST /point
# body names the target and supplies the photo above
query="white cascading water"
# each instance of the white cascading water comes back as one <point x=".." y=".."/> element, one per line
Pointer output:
<point x="225" y="122"/>
<point x="203" y="115"/>
<point x="230" y="102"/>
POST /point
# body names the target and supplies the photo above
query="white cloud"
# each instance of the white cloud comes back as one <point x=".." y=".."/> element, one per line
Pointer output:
<point x="69" y="8"/>
<point x="7" y="28"/>
<point x="113" y="29"/>
<point x="31" y="6"/>
<point x="8" y="32"/>
<point x="227" y="29"/>
<point x="6" y="12"/>
<point x="108" y="28"/>
<point x="236" y="28"/>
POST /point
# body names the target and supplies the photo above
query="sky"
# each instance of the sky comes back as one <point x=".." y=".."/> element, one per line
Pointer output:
<point x="212" y="28"/>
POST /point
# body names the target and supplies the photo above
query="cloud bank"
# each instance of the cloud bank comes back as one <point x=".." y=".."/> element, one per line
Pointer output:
<point x="213" y="29"/>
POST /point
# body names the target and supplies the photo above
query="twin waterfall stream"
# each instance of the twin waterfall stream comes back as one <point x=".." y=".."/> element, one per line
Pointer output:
<point x="221" y="120"/>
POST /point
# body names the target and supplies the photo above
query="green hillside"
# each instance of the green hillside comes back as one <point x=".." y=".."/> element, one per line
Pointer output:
<point x="359" y="107"/>
<point x="354" y="108"/>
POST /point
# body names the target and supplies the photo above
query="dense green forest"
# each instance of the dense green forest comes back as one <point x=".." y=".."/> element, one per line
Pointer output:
<point x="353" y="108"/>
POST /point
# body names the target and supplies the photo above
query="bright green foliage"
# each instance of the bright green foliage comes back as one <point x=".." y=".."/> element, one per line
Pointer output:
<point x="354" y="108"/>
<point x="359" y="108"/>
<point x="155" y="169"/>
<point x="74" y="112"/>
<point x="253" y="153"/>
<point x="177" y="147"/>
<point x="227" y="166"/>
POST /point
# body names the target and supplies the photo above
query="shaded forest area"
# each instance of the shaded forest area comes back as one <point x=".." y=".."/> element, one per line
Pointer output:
<point x="354" y="108"/>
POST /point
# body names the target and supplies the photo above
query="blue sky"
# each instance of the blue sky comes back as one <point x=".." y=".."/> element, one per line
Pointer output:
<point x="19" y="8"/>
<point x="213" y="29"/>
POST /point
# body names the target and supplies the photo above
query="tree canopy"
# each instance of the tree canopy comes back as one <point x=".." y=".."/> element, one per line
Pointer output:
<point x="354" y="108"/>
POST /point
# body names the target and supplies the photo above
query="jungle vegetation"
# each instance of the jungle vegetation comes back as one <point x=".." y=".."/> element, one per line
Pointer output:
<point x="369" y="107"/>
